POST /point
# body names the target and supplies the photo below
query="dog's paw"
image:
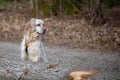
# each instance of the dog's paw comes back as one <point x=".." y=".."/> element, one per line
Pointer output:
<point x="24" y="57"/>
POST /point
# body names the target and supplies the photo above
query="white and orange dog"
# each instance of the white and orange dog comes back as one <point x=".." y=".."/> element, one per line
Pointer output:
<point x="32" y="46"/>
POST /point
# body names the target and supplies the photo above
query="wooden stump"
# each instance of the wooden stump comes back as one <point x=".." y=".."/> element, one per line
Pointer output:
<point x="81" y="74"/>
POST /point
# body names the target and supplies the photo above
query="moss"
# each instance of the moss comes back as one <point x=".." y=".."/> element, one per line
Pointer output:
<point x="3" y="2"/>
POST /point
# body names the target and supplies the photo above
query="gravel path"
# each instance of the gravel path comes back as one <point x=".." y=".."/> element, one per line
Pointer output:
<point x="108" y="64"/>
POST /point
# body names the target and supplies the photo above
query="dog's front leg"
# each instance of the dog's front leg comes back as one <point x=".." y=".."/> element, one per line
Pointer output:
<point x="24" y="54"/>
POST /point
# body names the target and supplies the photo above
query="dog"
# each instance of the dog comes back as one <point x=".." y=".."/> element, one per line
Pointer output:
<point x="32" y="45"/>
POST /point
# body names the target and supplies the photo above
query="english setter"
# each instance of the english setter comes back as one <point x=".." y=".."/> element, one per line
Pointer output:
<point x="32" y="46"/>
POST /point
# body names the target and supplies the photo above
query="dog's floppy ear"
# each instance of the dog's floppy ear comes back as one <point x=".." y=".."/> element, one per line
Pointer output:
<point x="32" y="21"/>
<point x="27" y="26"/>
<point x="30" y="25"/>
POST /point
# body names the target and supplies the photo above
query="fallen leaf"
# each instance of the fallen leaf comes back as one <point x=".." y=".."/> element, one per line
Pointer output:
<point x="7" y="71"/>
<point x="52" y="66"/>
<point x="25" y="71"/>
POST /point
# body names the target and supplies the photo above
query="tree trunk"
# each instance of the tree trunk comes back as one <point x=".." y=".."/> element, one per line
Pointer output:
<point x="97" y="13"/>
<point x="36" y="7"/>
<point x="60" y="8"/>
<point x="31" y="4"/>
<point x="94" y="11"/>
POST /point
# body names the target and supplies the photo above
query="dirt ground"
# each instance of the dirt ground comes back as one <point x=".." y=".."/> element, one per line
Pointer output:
<point x="107" y="63"/>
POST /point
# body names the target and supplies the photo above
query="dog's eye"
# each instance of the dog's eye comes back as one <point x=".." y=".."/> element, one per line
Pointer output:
<point x="38" y="25"/>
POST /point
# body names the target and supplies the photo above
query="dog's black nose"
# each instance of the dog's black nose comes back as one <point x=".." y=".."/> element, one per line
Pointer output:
<point x="44" y="31"/>
<point x="38" y="33"/>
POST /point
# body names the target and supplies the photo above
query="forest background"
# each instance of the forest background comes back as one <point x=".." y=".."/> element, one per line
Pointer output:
<point x="88" y="24"/>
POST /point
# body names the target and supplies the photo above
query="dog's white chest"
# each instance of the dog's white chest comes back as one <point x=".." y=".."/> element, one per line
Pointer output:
<point x="34" y="46"/>
<point x="34" y="51"/>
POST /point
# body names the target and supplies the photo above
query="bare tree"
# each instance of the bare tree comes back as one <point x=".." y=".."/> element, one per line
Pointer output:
<point x="97" y="12"/>
<point x="60" y="7"/>
<point x="94" y="10"/>
<point x="36" y="7"/>
<point x="31" y="4"/>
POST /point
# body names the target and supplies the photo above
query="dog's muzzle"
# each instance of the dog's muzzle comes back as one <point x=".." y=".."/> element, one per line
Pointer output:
<point x="44" y="31"/>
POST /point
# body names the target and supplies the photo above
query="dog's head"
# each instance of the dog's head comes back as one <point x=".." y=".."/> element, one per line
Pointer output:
<point x="36" y="25"/>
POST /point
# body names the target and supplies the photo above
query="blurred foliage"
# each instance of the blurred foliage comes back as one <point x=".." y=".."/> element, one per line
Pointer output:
<point x="68" y="31"/>
<point x="56" y="7"/>
<point x="49" y="8"/>
<point x="3" y="2"/>
<point x="112" y="3"/>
